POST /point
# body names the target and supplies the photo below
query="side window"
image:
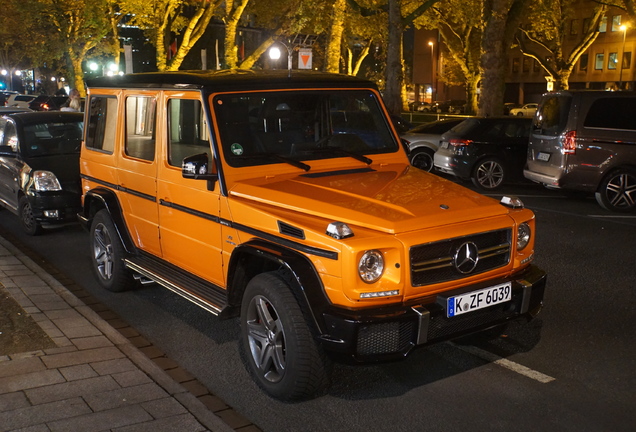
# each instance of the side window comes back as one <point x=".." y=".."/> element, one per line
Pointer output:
<point x="187" y="130"/>
<point x="9" y="136"/>
<point x="612" y="113"/>
<point x="102" y="121"/>
<point x="140" y="127"/>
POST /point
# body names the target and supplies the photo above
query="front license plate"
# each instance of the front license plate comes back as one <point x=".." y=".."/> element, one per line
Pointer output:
<point x="474" y="300"/>
<point x="543" y="156"/>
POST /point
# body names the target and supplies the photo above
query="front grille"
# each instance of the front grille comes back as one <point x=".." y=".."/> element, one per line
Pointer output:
<point x="433" y="262"/>
<point x="385" y="338"/>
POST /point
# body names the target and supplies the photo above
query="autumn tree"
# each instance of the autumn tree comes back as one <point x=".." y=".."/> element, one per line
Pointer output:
<point x="546" y="38"/>
<point x="461" y="29"/>
<point x="78" y="26"/>
<point x="173" y="26"/>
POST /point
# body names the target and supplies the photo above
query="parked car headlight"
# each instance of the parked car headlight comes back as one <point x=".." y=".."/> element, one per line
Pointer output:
<point x="46" y="181"/>
<point x="523" y="236"/>
<point x="371" y="266"/>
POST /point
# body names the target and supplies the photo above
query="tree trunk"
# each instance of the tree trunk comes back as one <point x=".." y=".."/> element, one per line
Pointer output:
<point x="502" y="18"/>
<point x="78" y="75"/>
<point x="394" y="74"/>
<point x="335" y="36"/>
<point x="231" y="49"/>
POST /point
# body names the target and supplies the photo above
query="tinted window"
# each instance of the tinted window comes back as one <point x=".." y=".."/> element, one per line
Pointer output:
<point x="102" y="118"/>
<point x="47" y="139"/>
<point x="264" y="128"/>
<point x="612" y="113"/>
<point x="552" y="115"/>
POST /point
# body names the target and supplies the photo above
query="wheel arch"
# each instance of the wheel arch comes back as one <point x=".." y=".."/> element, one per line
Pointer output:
<point x="102" y="198"/>
<point x="259" y="256"/>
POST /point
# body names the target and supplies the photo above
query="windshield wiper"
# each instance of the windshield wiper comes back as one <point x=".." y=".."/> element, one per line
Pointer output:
<point x="293" y="162"/>
<point x="356" y="156"/>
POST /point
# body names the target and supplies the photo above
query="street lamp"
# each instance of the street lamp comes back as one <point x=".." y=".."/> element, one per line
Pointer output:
<point x="274" y="54"/>
<point x="623" y="28"/>
<point x="433" y="87"/>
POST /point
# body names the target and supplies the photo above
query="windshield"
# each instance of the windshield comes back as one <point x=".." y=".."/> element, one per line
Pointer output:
<point x="266" y="128"/>
<point x="46" y="139"/>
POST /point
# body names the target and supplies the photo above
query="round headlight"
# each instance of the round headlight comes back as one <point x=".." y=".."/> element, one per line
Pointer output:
<point x="371" y="266"/>
<point x="523" y="236"/>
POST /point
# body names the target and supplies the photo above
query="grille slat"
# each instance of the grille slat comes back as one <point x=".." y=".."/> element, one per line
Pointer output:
<point x="433" y="262"/>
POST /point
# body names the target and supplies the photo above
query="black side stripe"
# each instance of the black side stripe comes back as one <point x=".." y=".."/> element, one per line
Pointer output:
<point x="120" y="188"/>
<point x="272" y="238"/>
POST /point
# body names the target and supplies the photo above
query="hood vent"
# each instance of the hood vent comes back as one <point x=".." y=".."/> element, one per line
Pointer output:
<point x="291" y="231"/>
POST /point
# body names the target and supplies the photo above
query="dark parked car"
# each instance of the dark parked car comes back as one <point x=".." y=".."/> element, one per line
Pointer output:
<point x="48" y="103"/>
<point x="488" y="151"/>
<point x="39" y="167"/>
<point x="423" y="141"/>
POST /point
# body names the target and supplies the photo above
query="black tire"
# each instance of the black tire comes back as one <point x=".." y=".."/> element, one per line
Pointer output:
<point x="617" y="191"/>
<point x="27" y="220"/>
<point x="277" y="344"/>
<point x="489" y="174"/>
<point x="107" y="255"/>
<point x="520" y="114"/>
<point x="422" y="158"/>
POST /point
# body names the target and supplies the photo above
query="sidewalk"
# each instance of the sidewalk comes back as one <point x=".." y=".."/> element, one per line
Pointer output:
<point x="95" y="379"/>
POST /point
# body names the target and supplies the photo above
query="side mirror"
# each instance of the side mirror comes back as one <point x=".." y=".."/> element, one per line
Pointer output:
<point x="6" y="150"/>
<point x="197" y="167"/>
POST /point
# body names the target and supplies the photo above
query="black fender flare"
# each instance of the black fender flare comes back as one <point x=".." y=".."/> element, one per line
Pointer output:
<point x="104" y="198"/>
<point x="258" y="256"/>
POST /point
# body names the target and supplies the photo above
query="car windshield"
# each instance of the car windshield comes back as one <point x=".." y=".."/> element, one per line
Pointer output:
<point x="46" y="139"/>
<point x="287" y="126"/>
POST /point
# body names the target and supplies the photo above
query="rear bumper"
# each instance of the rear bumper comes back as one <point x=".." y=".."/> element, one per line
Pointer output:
<point x="391" y="333"/>
<point x="548" y="180"/>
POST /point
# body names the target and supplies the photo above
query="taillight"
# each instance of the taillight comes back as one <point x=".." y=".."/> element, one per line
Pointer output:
<point x="569" y="142"/>
<point x="460" y="142"/>
<point x="460" y="146"/>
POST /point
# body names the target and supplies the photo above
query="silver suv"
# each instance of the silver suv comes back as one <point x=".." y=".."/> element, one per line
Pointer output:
<point x="586" y="141"/>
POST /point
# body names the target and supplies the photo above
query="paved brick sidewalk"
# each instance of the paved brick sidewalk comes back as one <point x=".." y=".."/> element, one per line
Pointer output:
<point x="95" y="379"/>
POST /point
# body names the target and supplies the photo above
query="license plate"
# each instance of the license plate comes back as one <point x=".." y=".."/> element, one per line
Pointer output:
<point x="543" y="156"/>
<point x="475" y="300"/>
<point x="444" y="144"/>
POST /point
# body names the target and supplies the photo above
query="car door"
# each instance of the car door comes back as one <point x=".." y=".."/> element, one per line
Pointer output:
<point x="190" y="228"/>
<point x="138" y="169"/>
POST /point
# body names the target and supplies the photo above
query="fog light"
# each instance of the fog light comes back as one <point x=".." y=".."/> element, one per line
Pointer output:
<point x="52" y="213"/>
<point x="379" y="294"/>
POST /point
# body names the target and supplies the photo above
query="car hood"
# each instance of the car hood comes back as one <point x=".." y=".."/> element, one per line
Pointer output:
<point x="393" y="199"/>
<point x="415" y="138"/>
<point x="65" y="167"/>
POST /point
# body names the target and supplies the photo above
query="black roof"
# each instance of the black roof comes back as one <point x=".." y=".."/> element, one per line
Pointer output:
<point x="235" y="79"/>
<point x="26" y="118"/>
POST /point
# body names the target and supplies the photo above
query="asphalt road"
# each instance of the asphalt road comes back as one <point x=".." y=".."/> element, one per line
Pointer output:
<point x="573" y="369"/>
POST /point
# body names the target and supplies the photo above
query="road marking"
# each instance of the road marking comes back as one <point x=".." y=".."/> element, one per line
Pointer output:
<point x="515" y="367"/>
<point x="613" y="216"/>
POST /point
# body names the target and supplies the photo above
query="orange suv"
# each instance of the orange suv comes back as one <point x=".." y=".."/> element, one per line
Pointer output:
<point x="289" y="202"/>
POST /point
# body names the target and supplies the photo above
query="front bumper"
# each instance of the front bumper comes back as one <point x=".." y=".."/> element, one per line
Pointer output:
<point x="54" y="209"/>
<point x="391" y="333"/>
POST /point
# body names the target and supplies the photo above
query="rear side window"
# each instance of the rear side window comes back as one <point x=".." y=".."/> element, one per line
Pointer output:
<point x="612" y="113"/>
<point x="140" y="127"/>
<point x="102" y="120"/>
<point x="552" y="116"/>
